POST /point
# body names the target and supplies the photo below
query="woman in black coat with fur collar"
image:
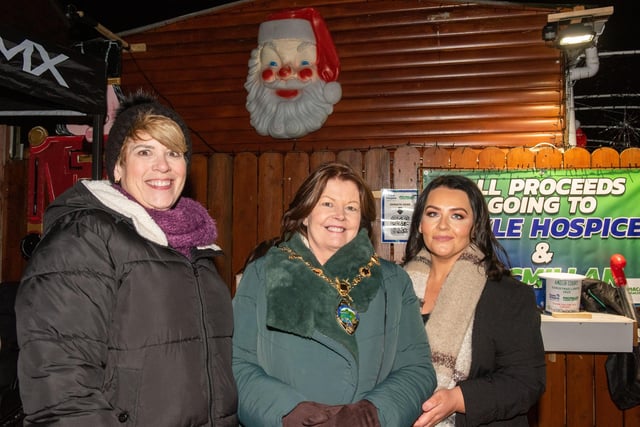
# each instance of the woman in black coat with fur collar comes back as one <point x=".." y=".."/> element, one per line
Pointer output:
<point x="122" y="318"/>
<point x="483" y="325"/>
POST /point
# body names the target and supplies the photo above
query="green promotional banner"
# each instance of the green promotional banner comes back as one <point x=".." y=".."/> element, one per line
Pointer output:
<point x="563" y="220"/>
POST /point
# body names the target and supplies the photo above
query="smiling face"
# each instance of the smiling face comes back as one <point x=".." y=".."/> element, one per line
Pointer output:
<point x="446" y="224"/>
<point x="335" y="219"/>
<point x="151" y="173"/>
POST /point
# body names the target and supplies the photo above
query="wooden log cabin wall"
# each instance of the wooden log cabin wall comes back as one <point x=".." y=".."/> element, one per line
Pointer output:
<point x="439" y="84"/>
<point x="412" y="72"/>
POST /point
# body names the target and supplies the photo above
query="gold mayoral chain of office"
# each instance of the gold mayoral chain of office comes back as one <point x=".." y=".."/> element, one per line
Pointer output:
<point x="346" y="316"/>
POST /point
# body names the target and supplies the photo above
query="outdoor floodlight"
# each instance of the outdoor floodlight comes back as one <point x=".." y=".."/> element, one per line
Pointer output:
<point x="575" y="35"/>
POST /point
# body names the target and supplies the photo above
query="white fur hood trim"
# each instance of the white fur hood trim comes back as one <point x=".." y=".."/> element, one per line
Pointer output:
<point x="115" y="200"/>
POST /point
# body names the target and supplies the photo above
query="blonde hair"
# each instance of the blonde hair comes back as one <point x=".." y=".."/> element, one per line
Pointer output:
<point x="161" y="128"/>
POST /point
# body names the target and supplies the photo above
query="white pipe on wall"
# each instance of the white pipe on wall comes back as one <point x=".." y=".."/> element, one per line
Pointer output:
<point x="590" y="69"/>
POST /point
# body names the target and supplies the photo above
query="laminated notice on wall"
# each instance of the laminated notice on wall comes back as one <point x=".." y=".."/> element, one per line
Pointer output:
<point x="395" y="214"/>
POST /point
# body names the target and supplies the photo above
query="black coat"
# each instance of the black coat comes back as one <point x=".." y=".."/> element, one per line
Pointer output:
<point x="117" y="328"/>
<point x="507" y="373"/>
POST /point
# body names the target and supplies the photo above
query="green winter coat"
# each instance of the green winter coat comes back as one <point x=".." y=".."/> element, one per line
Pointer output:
<point x="289" y="348"/>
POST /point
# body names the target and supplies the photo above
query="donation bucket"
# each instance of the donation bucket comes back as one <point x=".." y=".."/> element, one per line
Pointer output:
<point x="562" y="291"/>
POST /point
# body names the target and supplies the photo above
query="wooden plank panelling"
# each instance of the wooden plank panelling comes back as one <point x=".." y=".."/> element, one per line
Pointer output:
<point x="320" y="157"/>
<point x="412" y="72"/>
<point x="270" y="194"/>
<point x="606" y="413"/>
<point x="436" y="157"/>
<point x="580" y="394"/>
<point x="552" y="404"/>
<point x="548" y="158"/>
<point x="220" y="204"/>
<point x="245" y="208"/>
<point x="197" y="182"/>
<point x="632" y="417"/>
<point x="296" y="170"/>
<point x="243" y="144"/>
<point x="353" y="158"/>
<point x="406" y="163"/>
<point x="520" y="158"/>
<point x="605" y="157"/>
<point x="492" y="158"/>
<point x="463" y="158"/>
<point x="577" y="157"/>
<point x="378" y="176"/>
<point x="630" y="158"/>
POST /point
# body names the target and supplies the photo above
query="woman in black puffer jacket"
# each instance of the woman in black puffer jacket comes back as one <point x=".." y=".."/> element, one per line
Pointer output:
<point x="122" y="317"/>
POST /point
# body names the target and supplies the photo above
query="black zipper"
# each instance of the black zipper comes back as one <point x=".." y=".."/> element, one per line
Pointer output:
<point x="205" y="341"/>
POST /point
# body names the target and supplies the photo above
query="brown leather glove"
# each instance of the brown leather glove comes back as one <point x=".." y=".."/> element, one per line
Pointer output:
<point x="306" y="414"/>
<point x="360" y="414"/>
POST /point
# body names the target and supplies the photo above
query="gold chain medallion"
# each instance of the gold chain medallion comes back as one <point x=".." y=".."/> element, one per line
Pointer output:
<point x="346" y="316"/>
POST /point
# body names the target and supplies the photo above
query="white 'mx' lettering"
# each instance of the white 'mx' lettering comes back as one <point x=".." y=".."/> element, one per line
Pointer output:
<point x="27" y="48"/>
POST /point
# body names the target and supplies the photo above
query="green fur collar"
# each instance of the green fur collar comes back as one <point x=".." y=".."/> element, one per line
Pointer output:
<point x="300" y="302"/>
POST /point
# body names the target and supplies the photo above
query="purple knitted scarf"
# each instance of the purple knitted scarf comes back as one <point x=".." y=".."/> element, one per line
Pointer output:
<point x="186" y="225"/>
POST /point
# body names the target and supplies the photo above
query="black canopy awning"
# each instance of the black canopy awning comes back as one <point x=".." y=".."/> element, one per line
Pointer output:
<point x="44" y="79"/>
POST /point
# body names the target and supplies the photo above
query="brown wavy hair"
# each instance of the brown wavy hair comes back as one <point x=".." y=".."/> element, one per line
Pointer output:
<point x="310" y="191"/>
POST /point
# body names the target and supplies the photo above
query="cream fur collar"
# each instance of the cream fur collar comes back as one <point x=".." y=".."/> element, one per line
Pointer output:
<point x="451" y="322"/>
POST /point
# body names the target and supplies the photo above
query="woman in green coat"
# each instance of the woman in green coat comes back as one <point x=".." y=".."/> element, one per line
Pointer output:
<point x="326" y="332"/>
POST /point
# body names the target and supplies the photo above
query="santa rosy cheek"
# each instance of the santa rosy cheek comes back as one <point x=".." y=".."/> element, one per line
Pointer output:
<point x="268" y="75"/>
<point x="305" y="74"/>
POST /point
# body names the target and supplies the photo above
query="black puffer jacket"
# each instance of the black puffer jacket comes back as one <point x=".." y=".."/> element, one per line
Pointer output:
<point x="115" y="327"/>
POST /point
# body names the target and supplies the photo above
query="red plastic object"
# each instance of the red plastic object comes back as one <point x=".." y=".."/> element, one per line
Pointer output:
<point x="617" y="264"/>
<point x="54" y="166"/>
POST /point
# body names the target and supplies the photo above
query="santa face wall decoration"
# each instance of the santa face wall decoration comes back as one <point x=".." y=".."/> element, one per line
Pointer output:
<point x="291" y="84"/>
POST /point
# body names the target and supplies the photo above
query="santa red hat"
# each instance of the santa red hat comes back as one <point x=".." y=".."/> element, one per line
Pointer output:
<point x="304" y="24"/>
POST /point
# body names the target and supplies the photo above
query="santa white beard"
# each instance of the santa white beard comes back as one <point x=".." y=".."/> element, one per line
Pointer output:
<point x="288" y="118"/>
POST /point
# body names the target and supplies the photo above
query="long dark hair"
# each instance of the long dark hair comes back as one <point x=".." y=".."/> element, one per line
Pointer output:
<point x="310" y="191"/>
<point x="481" y="232"/>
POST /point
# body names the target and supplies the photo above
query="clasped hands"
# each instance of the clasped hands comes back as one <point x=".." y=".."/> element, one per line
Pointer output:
<point x="439" y="406"/>
<point x="360" y="414"/>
